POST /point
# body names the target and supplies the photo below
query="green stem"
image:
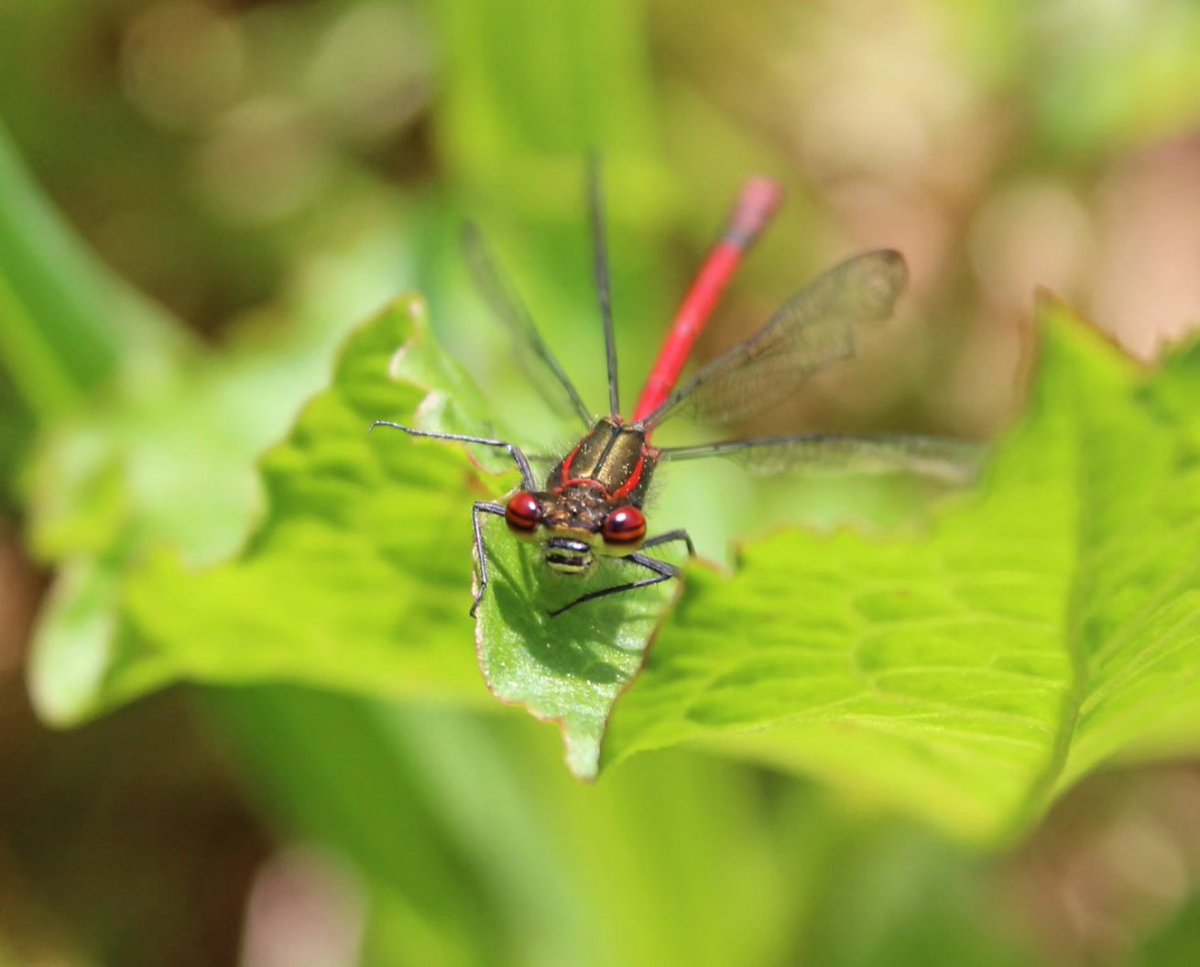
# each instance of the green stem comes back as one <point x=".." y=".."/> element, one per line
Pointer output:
<point x="65" y="319"/>
<point x="36" y="370"/>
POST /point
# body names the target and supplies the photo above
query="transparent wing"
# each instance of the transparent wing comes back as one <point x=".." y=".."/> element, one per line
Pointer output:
<point x="532" y="353"/>
<point x="953" y="461"/>
<point x="814" y="328"/>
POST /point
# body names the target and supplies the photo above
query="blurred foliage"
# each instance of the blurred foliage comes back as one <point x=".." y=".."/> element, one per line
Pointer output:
<point x="273" y="172"/>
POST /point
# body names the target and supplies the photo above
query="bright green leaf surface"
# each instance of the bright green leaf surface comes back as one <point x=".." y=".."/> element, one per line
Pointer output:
<point x="358" y="577"/>
<point x="570" y="668"/>
<point x="1045" y="623"/>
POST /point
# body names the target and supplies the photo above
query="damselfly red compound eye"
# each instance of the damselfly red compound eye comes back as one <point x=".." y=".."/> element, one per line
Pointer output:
<point x="523" y="512"/>
<point x="626" y="525"/>
<point x="592" y="498"/>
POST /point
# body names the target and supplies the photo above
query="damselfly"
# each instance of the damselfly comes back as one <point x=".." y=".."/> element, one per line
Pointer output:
<point x="591" y="503"/>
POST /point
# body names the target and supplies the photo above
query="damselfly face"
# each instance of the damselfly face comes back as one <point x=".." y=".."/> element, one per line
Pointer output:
<point x="574" y="524"/>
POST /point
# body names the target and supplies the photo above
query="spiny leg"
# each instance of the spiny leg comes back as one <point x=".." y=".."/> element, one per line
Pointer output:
<point x="662" y="570"/>
<point x="482" y="507"/>
<point x="527" y="479"/>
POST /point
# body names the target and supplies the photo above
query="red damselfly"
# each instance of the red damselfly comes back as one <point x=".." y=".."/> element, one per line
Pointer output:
<point x="591" y="503"/>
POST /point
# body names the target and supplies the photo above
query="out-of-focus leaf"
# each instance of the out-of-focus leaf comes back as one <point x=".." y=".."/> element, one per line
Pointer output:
<point x="329" y="771"/>
<point x="895" y="894"/>
<point x="1176" y="944"/>
<point x="1115" y="75"/>
<point x="471" y="841"/>
<point x="166" y="460"/>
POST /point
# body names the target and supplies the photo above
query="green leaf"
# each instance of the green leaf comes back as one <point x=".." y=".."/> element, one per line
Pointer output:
<point x="357" y="577"/>
<point x="569" y="669"/>
<point x="373" y="534"/>
<point x="1042" y="625"/>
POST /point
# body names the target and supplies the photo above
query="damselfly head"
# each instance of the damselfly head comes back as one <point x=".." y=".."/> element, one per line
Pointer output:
<point x="573" y="523"/>
<point x="566" y="528"/>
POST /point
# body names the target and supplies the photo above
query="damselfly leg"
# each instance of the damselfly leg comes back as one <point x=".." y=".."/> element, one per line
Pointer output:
<point x="518" y="455"/>
<point x="663" y="570"/>
<point x="482" y="507"/>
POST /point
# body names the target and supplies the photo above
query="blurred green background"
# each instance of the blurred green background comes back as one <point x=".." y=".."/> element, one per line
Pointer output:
<point x="247" y="180"/>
